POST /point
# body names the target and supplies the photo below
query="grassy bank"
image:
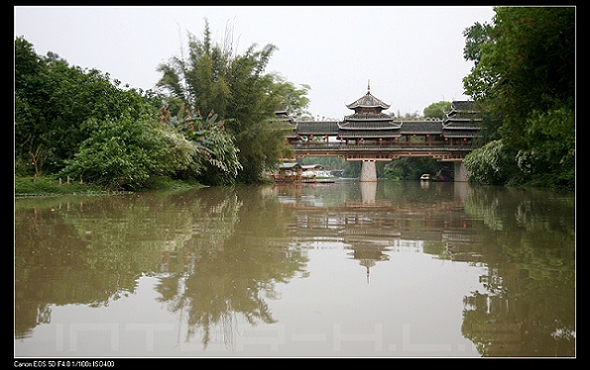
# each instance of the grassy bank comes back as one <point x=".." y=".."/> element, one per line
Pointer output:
<point x="50" y="185"/>
<point x="28" y="185"/>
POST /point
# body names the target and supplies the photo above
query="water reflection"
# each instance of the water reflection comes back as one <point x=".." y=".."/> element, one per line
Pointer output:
<point x="528" y="308"/>
<point x="93" y="251"/>
<point x="223" y="255"/>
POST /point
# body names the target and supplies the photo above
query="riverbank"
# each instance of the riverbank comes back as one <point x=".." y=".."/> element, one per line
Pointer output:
<point x="25" y="186"/>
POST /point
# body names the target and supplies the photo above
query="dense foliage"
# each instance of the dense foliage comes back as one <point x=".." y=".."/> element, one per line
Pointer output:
<point x="215" y="79"/>
<point x="492" y="164"/>
<point x="524" y="80"/>
<point x="437" y="110"/>
<point x="53" y="99"/>
<point x="78" y="122"/>
<point x="411" y="168"/>
<point x="126" y="153"/>
<point x="210" y="141"/>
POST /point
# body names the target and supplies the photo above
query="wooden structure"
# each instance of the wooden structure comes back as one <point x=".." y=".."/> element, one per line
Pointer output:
<point x="370" y="135"/>
<point x="288" y="172"/>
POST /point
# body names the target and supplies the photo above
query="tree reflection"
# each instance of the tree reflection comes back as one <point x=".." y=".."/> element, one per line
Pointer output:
<point x="215" y="278"/>
<point x="220" y="254"/>
<point x="528" y="308"/>
<point x="213" y="252"/>
<point x="57" y="262"/>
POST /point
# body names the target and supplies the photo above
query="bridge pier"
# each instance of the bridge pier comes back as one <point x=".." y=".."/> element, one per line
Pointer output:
<point x="461" y="173"/>
<point x="368" y="170"/>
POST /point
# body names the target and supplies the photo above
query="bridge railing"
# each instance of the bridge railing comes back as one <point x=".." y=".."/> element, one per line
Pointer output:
<point x="370" y="147"/>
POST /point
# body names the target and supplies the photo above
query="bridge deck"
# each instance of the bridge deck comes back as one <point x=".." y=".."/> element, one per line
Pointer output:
<point x="377" y="147"/>
<point x="359" y="152"/>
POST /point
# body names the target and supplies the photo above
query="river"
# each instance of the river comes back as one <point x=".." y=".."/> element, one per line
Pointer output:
<point x="393" y="269"/>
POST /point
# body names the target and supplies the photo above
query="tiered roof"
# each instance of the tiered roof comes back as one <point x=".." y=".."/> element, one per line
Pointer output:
<point x="368" y="121"/>
<point x="462" y="120"/>
<point x="283" y="115"/>
<point x="461" y="106"/>
<point x="367" y="101"/>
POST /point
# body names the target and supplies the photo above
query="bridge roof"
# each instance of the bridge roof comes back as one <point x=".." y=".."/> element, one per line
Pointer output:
<point x="461" y="123"/>
<point x="367" y="101"/>
<point x="462" y="109"/>
<point x="316" y="127"/>
<point x="460" y="133"/>
<point x="375" y="125"/>
<point x="462" y="106"/>
<point x="421" y="127"/>
<point x="384" y="129"/>
<point x="283" y="115"/>
<point x="368" y="117"/>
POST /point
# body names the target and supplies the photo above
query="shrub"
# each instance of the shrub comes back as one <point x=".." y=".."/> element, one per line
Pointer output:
<point x="493" y="164"/>
<point x="123" y="153"/>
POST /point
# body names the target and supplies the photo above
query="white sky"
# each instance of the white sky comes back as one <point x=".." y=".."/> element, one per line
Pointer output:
<point x="412" y="55"/>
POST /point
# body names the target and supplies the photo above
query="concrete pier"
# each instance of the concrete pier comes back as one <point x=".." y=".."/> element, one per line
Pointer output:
<point x="368" y="170"/>
<point x="461" y="173"/>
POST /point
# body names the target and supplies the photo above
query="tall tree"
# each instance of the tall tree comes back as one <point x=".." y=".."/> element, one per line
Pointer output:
<point x="475" y="36"/>
<point x="53" y="99"/>
<point x="524" y="75"/>
<point x="215" y="79"/>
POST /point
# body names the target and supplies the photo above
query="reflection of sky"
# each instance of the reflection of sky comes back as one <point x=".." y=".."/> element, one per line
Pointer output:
<point x="408" y="309"/>
<point x="311" y="201"/>
<point x="409" y="293"/>
<point x="414" y="300"/>
<point x="306" y="200"/>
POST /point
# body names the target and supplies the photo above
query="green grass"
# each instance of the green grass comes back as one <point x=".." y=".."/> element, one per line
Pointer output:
<point x="49" y="185"/>
<point x="28" y="185"/>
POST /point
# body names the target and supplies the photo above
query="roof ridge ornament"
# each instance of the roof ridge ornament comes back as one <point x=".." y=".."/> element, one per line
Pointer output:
<point x="368" y="101"/>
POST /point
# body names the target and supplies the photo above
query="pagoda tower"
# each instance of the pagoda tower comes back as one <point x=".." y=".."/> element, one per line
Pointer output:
<point x="368" y="125"/>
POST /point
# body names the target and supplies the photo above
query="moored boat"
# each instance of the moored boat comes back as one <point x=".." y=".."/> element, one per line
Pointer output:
<point x="425" y="177"/>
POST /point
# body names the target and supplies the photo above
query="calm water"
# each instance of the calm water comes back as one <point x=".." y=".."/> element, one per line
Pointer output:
<point x="383" y="269"/>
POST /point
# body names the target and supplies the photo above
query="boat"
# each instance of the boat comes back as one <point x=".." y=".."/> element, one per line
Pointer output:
<point x="293" y="172"/>
<point x="443" y="175"/>
<point x="425" y="177"/>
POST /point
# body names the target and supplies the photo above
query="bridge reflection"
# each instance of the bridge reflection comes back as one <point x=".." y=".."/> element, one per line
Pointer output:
<point x="372" y="226"/>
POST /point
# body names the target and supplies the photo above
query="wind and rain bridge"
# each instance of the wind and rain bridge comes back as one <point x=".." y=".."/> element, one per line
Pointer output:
<point x="369" y="135"/>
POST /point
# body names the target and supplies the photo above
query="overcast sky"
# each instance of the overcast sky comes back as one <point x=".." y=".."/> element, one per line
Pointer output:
<point x="412" y="55"/>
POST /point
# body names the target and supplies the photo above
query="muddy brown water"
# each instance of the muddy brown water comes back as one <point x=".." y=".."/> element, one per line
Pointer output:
<point x="396" y="269"/>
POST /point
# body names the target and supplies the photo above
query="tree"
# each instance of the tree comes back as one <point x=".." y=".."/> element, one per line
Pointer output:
<point x="410" y="168"/>
<point x="524" y="73"/>
<point x="292" y="99"/>
<point x="124" y="153"/>
<point x="492" y="164"/>
<point x="53" y="99"/>
<point x="215" y="79"/>
<point x="437" y="110"/>
<point x="476" y="36"/>
<point x="28" y="122"/>
<point x="215" y="160"/>
<point x="527" y="60"/>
